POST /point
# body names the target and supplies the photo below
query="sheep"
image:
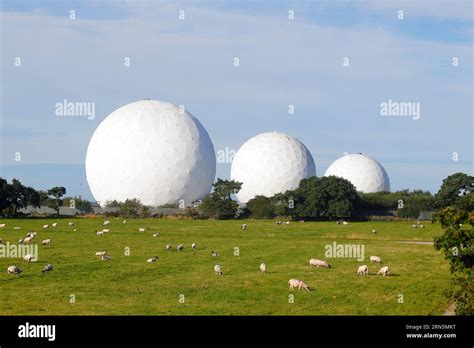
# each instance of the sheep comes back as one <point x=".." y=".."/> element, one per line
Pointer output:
<point x="101" y="253"/>
<point x="55" y="224"/>
<point x="193" y="246"/>
<point x="169" y="246"/>
<point x="156" y="234"/>
<point x="106" y="223"/>
<point x="124" y="221"/>
<point x="180" y="247"/>
<point x="319" y="263"/>
<point x="27" y="240"/>
<point x="71" y="224"/>
<point x="74" y="230"/>
<point x="374" y="231"/>
<point x="2" y="225"/>
<point x="47" y="268"/>
<point x="375" y="259"/>
<point x="363" y="270"/>
<point x="14" y="270"/>
<point x="278" y="222"/>
<point x="31" y="234"/>
<point x="414" y="226"/>
<point x="152" y="259"/>
<point x="299" y="284"/>
<point x="46" y="242"/>
<point x="28" y="258"/>
<point x="99" y="233"/>
<point x="385" y="271"/>
<point x="45" y="227"/>
<point x="17" y="228"/>
<point x="218" y="269"/>
<point x="338" y="222"/>
<point x="243" y="227"/>
<point x="105" y="258"/>
<point x="263" y="268"/>
<point x="141" y="229"/>
<point x="287" y="222"/>
<point x="345" y="223"/>
<point x="215" y="253"/>
<point x="20" y="241"/>
<point x="422" y="226"/>
<point x="105" y="230"/>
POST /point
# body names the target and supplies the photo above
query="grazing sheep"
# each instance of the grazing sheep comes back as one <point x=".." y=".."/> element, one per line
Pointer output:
<point x="193" y="246"/>
<point x="214" y="254"/>
<point x="2" y="225"/>
<point x="28" y="258"/>
<point x="31" y="234"/>
<point x="180" y="247"/>
<point x="46" y="242"/>
<point x="156" y="234"/>
<point x="124" y="221"/>
<point x="27" y="240"/>
<point x="74" y="230"/>
<point x="278" y="222"/>
<point x="287" y="222"/>
<point x="99" y="233"/>
<point x="243" y="227"/>
<point x="47" y="268"/>
<point x="375" y="259"/>
<point x="17" y="228"/>
<point x="218" y="269"/>
<point x="152" y="259"/>
<point x="263" y="268"/>
<point x="101" y="253"/>
<point x="385" y="271"/>
<point x="319" y="263"/>
<point x="296" y="283"/>
<point x="141" y="229"/>
<point x="345" y="223"/>
<point x="20" y="241"/>
<point x="105" y="258"/>
<point x="45" y="227"/>
<point x="338" y="222"/>
<point x="105" y="230"/>
<point x="414" y="226"/>
<point x="363" y="270"/>
<point x="422" y="226"/>
<point x="374" y="231"/>
<point x="106" y="223"/>
<point x="71" y="224"/>
<point x="168" y="246"/>
<point x="55" y="224"/>
<point x="13" y="270"/>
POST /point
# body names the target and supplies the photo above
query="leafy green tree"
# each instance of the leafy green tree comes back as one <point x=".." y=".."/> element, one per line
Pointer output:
<point x="55" y="201"/>
<point x="261" y="207"/>
<point x="130" y="208"/>
<point x="219" y="204"/>
<point x="78" y="203"/>
<point x="456" y="190"/>
<point x="457" y="243"/>
<point x="283" y="204"/>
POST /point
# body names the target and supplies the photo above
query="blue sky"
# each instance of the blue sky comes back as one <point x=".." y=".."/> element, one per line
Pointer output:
<point x="282" y="62"/>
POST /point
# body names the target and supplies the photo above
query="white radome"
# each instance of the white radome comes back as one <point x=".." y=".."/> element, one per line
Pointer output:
<point x="270" y="163"/>
<point x="365" y="173"/>
<point x="153" y="151"/>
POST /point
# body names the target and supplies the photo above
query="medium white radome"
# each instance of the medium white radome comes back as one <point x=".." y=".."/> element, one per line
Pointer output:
<point x="153" y="151"/>
<point x="270" y="163"/>
<point x="365" y="173"/>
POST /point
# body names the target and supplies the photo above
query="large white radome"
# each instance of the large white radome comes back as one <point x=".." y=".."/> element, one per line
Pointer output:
<point x="365" y="173"/>
<point x="270" y="163"/>
<point x="152" y="151"/>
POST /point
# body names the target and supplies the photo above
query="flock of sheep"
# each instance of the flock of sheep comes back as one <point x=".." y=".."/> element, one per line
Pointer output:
<point x="293" y="283"/>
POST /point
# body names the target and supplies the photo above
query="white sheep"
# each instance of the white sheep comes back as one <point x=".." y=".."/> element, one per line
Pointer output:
<point x="156" y="234"/>
<point x="345" y="223"/>
<point x="2" y="225"/>
<point x="169" y="246"/>
<point x="385" y="271"/>
<point x="214" y="253"/>
<point x="152" y="259"/>
<point x="28" y="258"/>
<point x="13" y="270"/>
<point x="71" y="224"/>
<point x="422" y="226"/>
<point x="243" y="227"/>
<point x="101" y="253"/>
<point x="27" y="240"/>
<point x="105" y="230"/>
<point x="263" y="268"/>
<point x="45" y="227"/>
<point x="47" y="268"/>
<point x="20" y="241"/>
<point x="363" y="270"/>
<point x="180" y="247"/>
<point x="46" y="242"/>
<point x="374" y="231"/>
<point x="218" y="269"/>
<point x="124" y="221"/>
<point x="141" y="229"/>
<point x="99" y="233"/>
<point x="55" y="224"/>
<point x="319" y="263"/>
<point x="17" y="228"/>
<point x="287" y="222"/>
<point x="278" y="222"/>
<point x="375" y="259"/>
<point x="106" y="223"/>
<point x="193" y="246"/>
<point x="296" y="283"/>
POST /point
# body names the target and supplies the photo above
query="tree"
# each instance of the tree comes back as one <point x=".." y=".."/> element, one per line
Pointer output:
<point x="77" y="202"/>
<point x="55" y="200"/>
<point x="16" y="196"/>
<point x="457" y="242"/>
<point x="456" y="190"/>
<point x="325" y="198"/>
<point x="219" y="204"/>
<point x="261" y="207"/>
<point x="130" y="208"/>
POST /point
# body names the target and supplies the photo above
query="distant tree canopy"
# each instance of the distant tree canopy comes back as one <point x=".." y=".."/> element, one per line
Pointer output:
<point x="78" y="203"/>
<point x="261" y="207"/>
<point x="219" y="204"/>
<point x="55" y="201"/>
<point x="457" y="191"/>
<point x="16" y="196"/>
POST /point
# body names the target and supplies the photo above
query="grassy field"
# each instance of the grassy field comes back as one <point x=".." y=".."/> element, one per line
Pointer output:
<point x="127" y="285"/>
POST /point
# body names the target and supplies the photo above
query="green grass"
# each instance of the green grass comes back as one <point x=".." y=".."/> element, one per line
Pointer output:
<point x="127" y="285"/>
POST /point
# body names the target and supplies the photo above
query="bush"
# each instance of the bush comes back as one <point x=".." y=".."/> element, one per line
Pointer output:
<point x="260" y="207"/>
